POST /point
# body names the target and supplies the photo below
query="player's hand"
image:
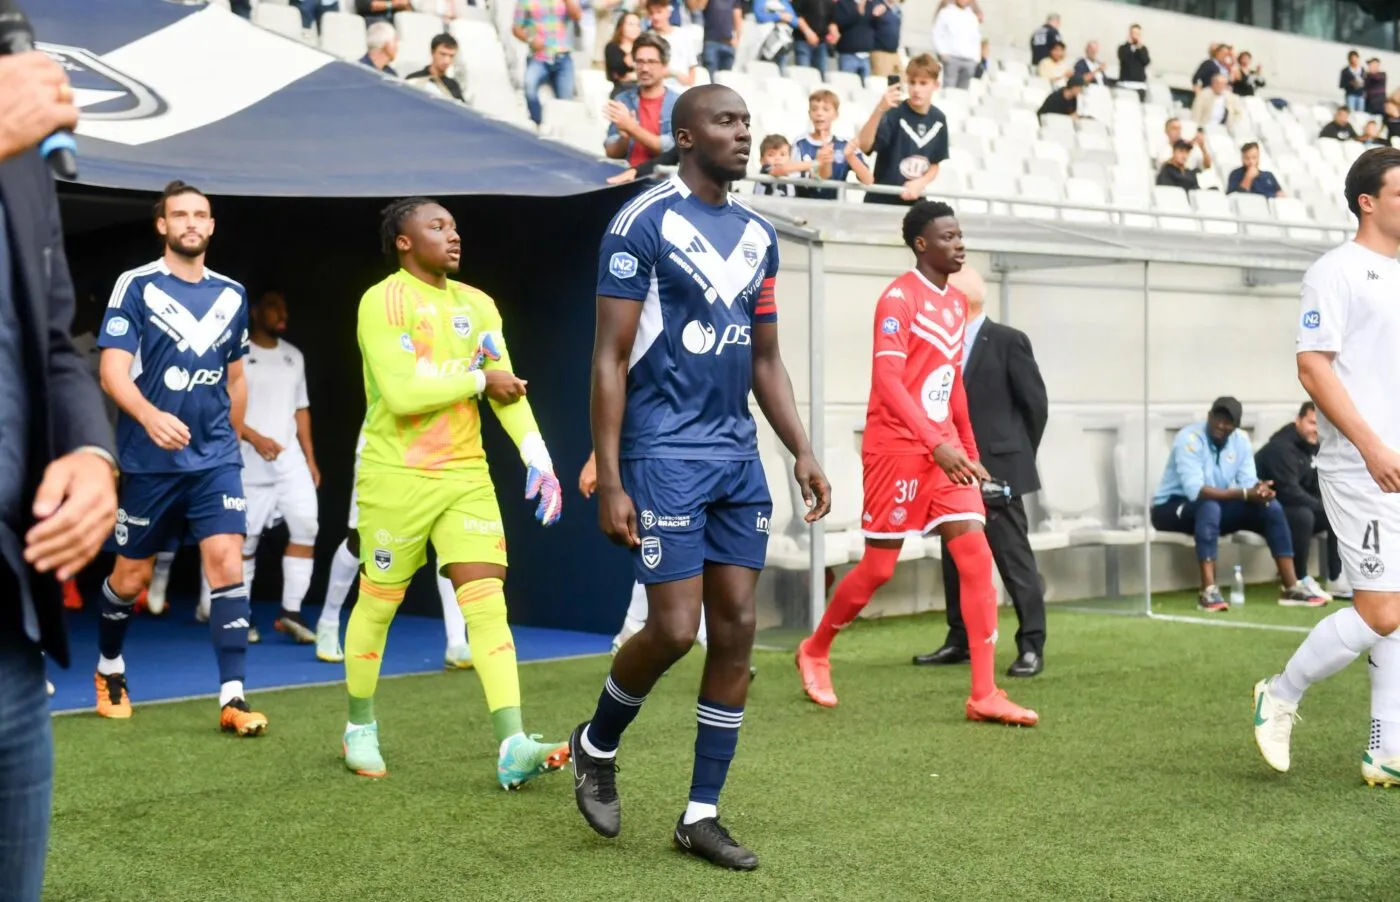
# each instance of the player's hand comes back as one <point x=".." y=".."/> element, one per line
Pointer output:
<point x="166" y="430"/>
<point x="503" y="387"/>
<point x="1384" y="467"/>
<point x="35" y="100"/>
<point x="267" y="448"/>
<point x="76" y="506"/>
<point x="981" y="471"/>
<point x="955" y="463"/>
<point x="816" y="491"/>
<point x="588" y="477"/>
<point x="617" y="518"/>
<point x="827" y="154"/>
<point x="541" y="483"/>
<point x="315" y="473"/>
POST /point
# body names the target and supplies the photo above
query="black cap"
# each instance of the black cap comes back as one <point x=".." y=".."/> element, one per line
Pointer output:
<point x="1228" y="406"/>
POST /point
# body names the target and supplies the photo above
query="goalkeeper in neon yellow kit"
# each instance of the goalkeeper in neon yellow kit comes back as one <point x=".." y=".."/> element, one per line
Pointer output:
<point x="432" y="347"/>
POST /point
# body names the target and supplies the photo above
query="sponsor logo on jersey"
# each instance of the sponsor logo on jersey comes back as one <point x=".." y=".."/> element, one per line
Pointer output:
<point x="384" y="537"/>
<point x="117" y="326"/>
<point x="180" y="379"/>
<point x="700" y="338"/>
<point x="234" y="503"/>
<point x="622" y="265"/>
<point x="1371" y="276"/>
<point x="127" y="519"/>
<point x="1312" y="319"/>
<point x="895" y="292"/>
<point x="913" y="167"/>
<point x="1372" y="567"/>
<point x="454" y="366"/>
<point x="383" y="558"/>
<point x="482" y="527"/>
<point x="461" y="325"/>
<point x="651" y="552"/>
<point x="648" y="519"/>
<point x="889" y="326"/>
<point x="121" y="515"/>
<point x="937" y="391"/>
<point x="760" y="523"/>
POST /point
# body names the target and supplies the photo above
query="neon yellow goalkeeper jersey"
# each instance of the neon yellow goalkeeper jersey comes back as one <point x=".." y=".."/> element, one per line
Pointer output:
<point x="420" y="345"/>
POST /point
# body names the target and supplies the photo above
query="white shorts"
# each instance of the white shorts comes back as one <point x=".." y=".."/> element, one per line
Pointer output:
<point x="292" y="498"/>
<point x="1366" y="522"/>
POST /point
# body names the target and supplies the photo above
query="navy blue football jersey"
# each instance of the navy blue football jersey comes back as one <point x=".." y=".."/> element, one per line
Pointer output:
<point x="183" y="337"/>
<point x="704" y="276"/>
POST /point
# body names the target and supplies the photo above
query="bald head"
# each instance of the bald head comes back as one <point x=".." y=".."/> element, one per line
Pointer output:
<point x="698" y="104"/>
<point x="711" y="126"/>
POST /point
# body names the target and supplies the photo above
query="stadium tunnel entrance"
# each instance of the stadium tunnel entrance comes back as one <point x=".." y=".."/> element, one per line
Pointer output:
<point x="537" y="257"/>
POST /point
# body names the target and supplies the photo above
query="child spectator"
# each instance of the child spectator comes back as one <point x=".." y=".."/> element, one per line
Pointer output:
<point x="775" y="154"/>
<point x="909" y="138"/>
<point x="822" y="155"/>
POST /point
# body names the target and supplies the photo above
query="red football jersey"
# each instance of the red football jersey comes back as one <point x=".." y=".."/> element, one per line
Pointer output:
<point x="916" y="394"/>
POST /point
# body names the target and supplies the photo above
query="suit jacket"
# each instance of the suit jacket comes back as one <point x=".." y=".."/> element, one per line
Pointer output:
<point x="1007" y="405"/>
<point x="66" y="411"/>
<point x="1204" y="105"/>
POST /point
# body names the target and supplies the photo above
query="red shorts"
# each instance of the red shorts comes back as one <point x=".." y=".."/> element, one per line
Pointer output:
<point x="907" y="495"/>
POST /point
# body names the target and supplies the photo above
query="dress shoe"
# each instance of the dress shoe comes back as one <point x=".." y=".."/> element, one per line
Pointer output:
<point x="1028" y="665"/>
<point x="948" y="654"/>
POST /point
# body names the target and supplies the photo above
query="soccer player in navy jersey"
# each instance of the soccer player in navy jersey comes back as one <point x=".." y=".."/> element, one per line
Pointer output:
<point x="173" y="341"/>
<point x="687" y="325"/>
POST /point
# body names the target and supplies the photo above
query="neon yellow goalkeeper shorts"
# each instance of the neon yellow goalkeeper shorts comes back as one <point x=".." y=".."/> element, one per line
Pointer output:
<point x="401" y="512"/>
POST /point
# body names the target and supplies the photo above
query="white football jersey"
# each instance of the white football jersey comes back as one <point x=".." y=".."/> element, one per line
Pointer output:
<point x="276" y="391"/>
<point x="1351" y="307"/>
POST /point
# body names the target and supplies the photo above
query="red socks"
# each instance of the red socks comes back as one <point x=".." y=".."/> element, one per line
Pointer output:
<point x="973" y="558"/>
<point x="852" y="594"/>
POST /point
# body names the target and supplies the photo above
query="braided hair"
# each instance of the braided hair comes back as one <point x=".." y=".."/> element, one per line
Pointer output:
<point x="920" y="215"/>
<point x="391" y="225"/>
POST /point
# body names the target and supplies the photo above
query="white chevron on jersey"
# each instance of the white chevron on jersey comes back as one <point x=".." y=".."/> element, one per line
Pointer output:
<point x="946" y="342"/>
<point x="175" y="319"/>
<point x="728" y="276"/>
<point x="928" y="136"/>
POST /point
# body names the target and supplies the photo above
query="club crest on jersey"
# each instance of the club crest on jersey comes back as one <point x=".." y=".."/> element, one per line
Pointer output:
<point x="101" y="91"/>
<point x="889" y="326"/>
<point x="750" y="253"/>
<point x="623" y="265"/>
<point x="383" y="558"/>
<point x="119" y="533"/>
<point x="117" y="326"/>
<point x="1372" y="567"/>
<point x="948" y="318"/>
<point x="651" y="552"/>
<point x="461" y="325"/>
<point x="898" y="515"/>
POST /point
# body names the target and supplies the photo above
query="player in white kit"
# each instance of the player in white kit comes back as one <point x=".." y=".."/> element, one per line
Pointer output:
<point x="1349" y="363"/>
<point x="280" y="476"/>
<point x="345" y="569"/>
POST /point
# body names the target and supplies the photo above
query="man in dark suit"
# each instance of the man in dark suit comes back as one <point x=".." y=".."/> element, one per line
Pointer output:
<point x="57" y="474"/>
<point x="1007" y="404"/>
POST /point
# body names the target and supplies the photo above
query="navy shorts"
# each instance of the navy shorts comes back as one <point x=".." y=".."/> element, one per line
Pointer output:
<point x="157" y="511"/>
<point x="690" y="512"/>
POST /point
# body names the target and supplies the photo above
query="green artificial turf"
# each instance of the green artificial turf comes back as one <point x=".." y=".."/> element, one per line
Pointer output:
<point x="1142" y="782"/>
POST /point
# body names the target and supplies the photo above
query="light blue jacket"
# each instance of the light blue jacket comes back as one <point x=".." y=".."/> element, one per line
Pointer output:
<point x="1196" y="463"/>
<point x="632" y="99"/>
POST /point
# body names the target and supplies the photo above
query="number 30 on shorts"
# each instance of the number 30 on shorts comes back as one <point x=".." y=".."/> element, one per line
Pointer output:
<point x="905" y="490"/>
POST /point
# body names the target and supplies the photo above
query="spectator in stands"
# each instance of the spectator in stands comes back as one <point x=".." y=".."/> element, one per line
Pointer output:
<point x="381" y="10"/>
<point x="778" y="45"/>
<point x="855" y="23"/>
<point x="1353" y="83"/>
<point x="1392" y="120"/>
<point x="724" y="21"/>
<point x="313" y="10"/>
<point x="435" y="75"/>
<point x="957" y="39"/>
<point x="1064" y="101"/>
<point x="641" y="115"/>
<point x="1211" y="489"/>
<point x="820" y="154"/>
<point x="382" y="42"/>
<point x="1246" y="78"/>
<point x="1055" y="68"/>
<point x="684" y="56"/>
<point x="243" y="8"/>
<point x="1133" y="60"/>
<point x="1045" y="37"/>
<point x="617" y="55"/>
<point x="816" y="33"/>
<point x="1287" y="462"/>
<point x="1371" y="135"/>
<point x="1221" y="60"/>
<point x="1176" y="173"/>
<point x="1089" y="68"/>
<point x="888" y="20"/>
<point x="1249" y="178"/>
<point x="775" y="159"/>
<point x="974" y="6"/>
<point x="1375" y="87"/>
<point x="1200" y="154"/>
<point x="547" y="28"/>
<point x="1340" y="127"/>
<point x="1217" y="105"/>
<point x="909" y="137"/>
<point x="985" y="61"/>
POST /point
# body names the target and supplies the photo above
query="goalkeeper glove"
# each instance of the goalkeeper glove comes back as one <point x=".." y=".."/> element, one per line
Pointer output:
<point x="540" y="482"/>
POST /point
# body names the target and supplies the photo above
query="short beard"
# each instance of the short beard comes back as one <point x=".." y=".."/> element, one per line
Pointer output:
<point x="174" y="244"/>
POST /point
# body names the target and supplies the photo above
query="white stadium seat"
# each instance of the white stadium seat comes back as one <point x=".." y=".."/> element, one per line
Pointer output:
<point x="343" y="34"/>
<point x="285" y="20"/>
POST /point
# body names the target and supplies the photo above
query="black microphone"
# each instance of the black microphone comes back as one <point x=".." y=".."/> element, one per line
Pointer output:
<point x="17" y="36"/>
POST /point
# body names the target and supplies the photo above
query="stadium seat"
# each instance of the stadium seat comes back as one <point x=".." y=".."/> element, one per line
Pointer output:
<point x="1131" y="453"/>
<point x="846" y="84"/>
<point x="416" y="33"/>
<point x="1214" y="203"/>
<point x="284" y="20"/>
<point x="1034" y="187"/>
<point x="1049" y="169"/>
<point x="1166" y="199"/>
<point x="343" y="34"/>
<point x="806" y="76"/>
<point x="1292" y="210"/>
<point x="1085" y="191"/>
<point x="993" y="184"/>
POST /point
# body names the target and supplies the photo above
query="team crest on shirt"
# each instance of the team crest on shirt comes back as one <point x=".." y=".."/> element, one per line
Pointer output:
<point x="651" y="552"/>
<point x="623" y="265"/>
<point x="948" y="318"/>
<point x="1372" y="567"/>
<point x="1312" y="319"/>
<point x="119" y="533"/>
<point x="889" y="326"/>
<point x="750" y="253"/>
<point x="461" y="325"/>
<point x="383" y="558"/>
<point x="898" y="515"/>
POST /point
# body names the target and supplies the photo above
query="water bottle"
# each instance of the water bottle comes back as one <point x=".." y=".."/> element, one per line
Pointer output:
<point x="1237" y="588"/>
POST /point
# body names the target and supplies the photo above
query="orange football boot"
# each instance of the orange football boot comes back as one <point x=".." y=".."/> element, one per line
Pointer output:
<point x="997" y="708"/>
<point x="112" y="700"/>
<point x="237" y="717"/>
<point x="816" y="676"/>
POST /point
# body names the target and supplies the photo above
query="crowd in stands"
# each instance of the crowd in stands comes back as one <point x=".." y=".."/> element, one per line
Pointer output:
<point x="604" y="75"/>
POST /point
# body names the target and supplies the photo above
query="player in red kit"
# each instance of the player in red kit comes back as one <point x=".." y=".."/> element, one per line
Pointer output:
<point x="921" y="469"/>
